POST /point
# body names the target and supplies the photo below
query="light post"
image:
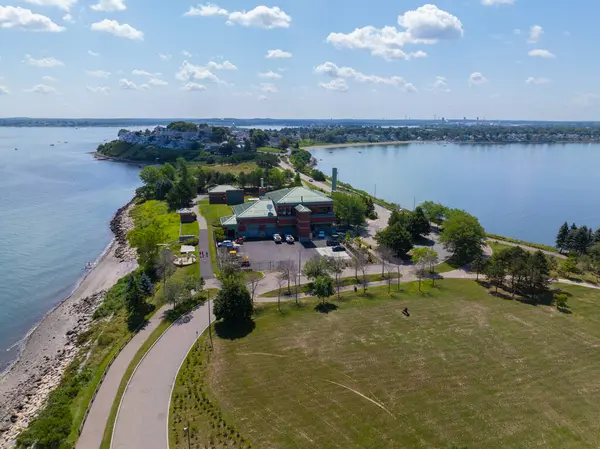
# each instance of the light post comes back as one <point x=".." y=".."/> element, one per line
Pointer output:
<point x="186" y="430"/>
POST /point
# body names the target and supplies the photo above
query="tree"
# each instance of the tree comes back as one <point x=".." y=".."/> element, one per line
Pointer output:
<point x="258" y="138"/>
<point x="163" y="265"/>
<point x="568" y="266"/>
<point x="233" y="303"/>
<point x="418" y="224"/>
<point x="276" y="178"/>
<point x="349" y="209"/>
<point x="398" y="216"/>
<point x="597" y="236"/>
<point x="478" y="264"/>
<point x="145" y="239"/>
<point x="297" y="180"/>
<point x="219" y="134"/>
<point x="435" y="212"/>
<point x="253" y="278"/>
<point x="562" y="236"/>
<point x="168" y="171"/>
<point x="496" y="271"/>
<point x="336" y="266"/>
<point x="134" y="295"/>
<point x="315" y="267"/>
<point x="194" y="282"/>
<point x="361" y="263"/>
<point x="323" y="287"/>
<point x="463" y="236"/>
<point x="318" y="175"/>
<point x="396" y="238"/>
<point x="284" y="144"/>
<point x="560" y="300"/>
<point x="422" y="258"/>
<point x="150" y="174"/>
<point x="146" y="285"/>
<point x="539" y="272"/>
<point x="173" y="291"/>
<point x="287" y="272"/>
<point x="242" y="179"/>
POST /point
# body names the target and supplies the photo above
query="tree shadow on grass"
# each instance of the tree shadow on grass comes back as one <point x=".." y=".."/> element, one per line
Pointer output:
<point x="325" y="307"/>
<point x="137" y="321"/>
<point x="234" y="330"/>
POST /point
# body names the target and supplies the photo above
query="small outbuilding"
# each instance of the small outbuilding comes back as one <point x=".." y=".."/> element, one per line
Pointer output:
<point x="186" y="215"/>
<point x="226" y="194"/>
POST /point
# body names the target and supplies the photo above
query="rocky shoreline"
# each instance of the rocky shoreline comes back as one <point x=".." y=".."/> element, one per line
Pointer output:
<point x="52" y="346"/>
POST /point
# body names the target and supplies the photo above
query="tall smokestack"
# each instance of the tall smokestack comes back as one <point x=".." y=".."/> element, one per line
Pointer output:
<point x="262" y="182"/>
<point x="334" y="179"/>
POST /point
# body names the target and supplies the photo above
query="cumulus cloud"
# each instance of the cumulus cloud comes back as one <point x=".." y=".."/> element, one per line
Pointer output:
<point x="24" y="19"/>
<point x="68" y="18"/>
<point x="497" y="2"/>
<point x="262" y="97"/>
<point x="259" y="17"/>
<point x="104" y="90"/>
<point x="116" y="29"/>
<point x="535" y="34"/>
<point x="209" y="9"/>
<point x="47" y="63"/>
<point x="410" y="88"/>
<point x="157" y="82"/>
<point x="477" y="79"/>
<point x="186" y="53"/>
<point x="541" y="54"/>
<point x="164" y="56"/>
<point x="221" y="65"/>
<point x="49" y="79"/>
<point x="42" y="89"/>
<point x="336" y="84"/>
<point x="425" y="25"/>
<point x="189" y="71"/>
<point x="137" y="72"/>
<point x="329" y="68"/>
<point x="271" y="75"/>
<point x="126" y="84"/>
<point x="278" y="54"/>
<point x="98" y="73"/>
<point x="4" y="90"/>
<point x="62" y="4"/>
<point x="417" y="55"/>
<point x="440" y="84"/>
<point x="93" y="53"/>
<point x="194" y="87"/>
<point x="534" y="80"/>
<point x="109" y="6"/>
<point x="268" y="87"/>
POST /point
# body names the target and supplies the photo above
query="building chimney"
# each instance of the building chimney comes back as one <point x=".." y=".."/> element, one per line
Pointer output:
<point x="334" y="179"/>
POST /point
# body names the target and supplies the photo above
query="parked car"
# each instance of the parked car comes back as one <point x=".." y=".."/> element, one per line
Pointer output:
<point x="289" y="238"/>
<point x="276" y="238"/>
<point x="336" y="236"/>
<point x="338" y="249"/>
<point x="321" y="234"/>
<point x="332" y="243"/>
<point x="311" y="180"/>
<point x="226" y="244"/>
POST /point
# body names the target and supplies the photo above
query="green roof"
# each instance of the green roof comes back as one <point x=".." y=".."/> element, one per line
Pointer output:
<point x="222" y="188"/>
<point x="255" y="209"/>
<point x="298" y="195"/>
<point x="302" y="208"/>
<point x="228" y="221"/>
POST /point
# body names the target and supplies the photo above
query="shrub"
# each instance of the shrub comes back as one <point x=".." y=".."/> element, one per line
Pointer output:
<point x="193" y="241"/>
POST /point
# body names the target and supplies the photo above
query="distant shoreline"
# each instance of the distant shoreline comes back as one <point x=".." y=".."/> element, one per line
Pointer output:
<point x="440" y="142"/>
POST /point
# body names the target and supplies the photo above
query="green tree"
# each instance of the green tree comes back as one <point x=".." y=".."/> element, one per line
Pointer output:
<point x="349" y="209"/>
<point x="242" y="179"/>
<point x="233" y="303"/>
<point x="597" y="236"/>
<point x="258" y="138"/>
<point x="463" y="236"/>
<point x="150" y="174"/>
<point x="173" y="291"/>
<point x="145" y="239"/>
<point x="323" y="287"/>
<point x="396" y="238"/>
<point x="418" y="224"/>
<point x="284" y="144"/>
<point x="318" y="175"/>
<point x="562" y="236"/>
<point x="399" y="216"/>
<point x="568" y="267"/>
<point x="479" y="264"/>
<point x="539" y="272"/>
<point x="134" y="295"/>
<point x="496" y="271"/>
<point x="219" y="134"/>
<point x="435" y="212"/>
<point x="276" y="178"/>
<point x="146" y="285"/>
<point x="168" y="171"/>
<point x="297" y="180"/>
<point x="423" y="258"/>
<point x="315" y="267"/>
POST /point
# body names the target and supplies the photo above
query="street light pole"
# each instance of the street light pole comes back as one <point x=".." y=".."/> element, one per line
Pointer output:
<point x="209" y="326"/>
<point x="187" y="431"/>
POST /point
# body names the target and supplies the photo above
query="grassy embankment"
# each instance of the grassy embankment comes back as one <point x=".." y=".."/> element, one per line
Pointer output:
<point x="271" y="150"/>
<point x="212" y="213"/>
<point x="465" y="369"/>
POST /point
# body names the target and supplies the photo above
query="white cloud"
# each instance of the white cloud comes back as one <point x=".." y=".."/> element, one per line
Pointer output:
<point x="517" y="32"/>
<point x="49" y="62"/>
<point x="336" y="84"/>
<point x="24" y="19"/>
<point x="164" y="56"/>
<point x="441" y="84"/>
<point x="477" y="79"/>
<point x="262" y="97"/>
<point x="497" y="2"/>
<point x="62" y="4"/>
<point x="268" y="87"/>
<point x="541" y="53"/>
<point x="410" y="88"/>
<point x="157" y="82"/>
<point x="278" y="54"/>
<point x="186" y="53"/>
<point x="329" y="68"/>
<point x="534" y="80"/>
<point x="4" y="90"/>
<point x="417" y="54"/>
<point x="209" y="9"/>
<point x="68" y="18"/>
<point x="189" y="71"/>
<point x="144" y="87"/>
<point x="115" y="28"/>
<point x="104" y="90"/>
<point x="93" y="53"/>
<point x="425" y="25"/>
<point x="144" y="73"/>
<point x="49" y="79"/>
<point x="124" y="83"/>
<point x="42" y="89"/>
<point x="271" y="75"/>
<point x="194" y="87"/>
<point x="98" y="73"/>
<point x="221" y="66"/>
<point x="261" y="17"/>
<point x="109" y="6"/>
<point x="535" y="34"/>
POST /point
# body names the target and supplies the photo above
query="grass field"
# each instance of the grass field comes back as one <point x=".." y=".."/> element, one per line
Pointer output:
<point x="466" y="369"/>
<point x="190" y="228"/>
<point x="270" y="150"/>
<point x="236" y="169"/>
<point x="212" y="213"/>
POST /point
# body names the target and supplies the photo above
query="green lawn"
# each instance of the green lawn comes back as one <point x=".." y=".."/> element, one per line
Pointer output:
<point x="270" y="150"/>
<point x="190" y="228"/>
<point x="236" y="169"/>
<point x="212" y="213"/>
<point x="466" y="369"/>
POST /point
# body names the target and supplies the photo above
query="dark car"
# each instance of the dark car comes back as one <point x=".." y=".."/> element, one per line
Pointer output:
<point x="338" y="249"/>
<point x="332" y="243"/>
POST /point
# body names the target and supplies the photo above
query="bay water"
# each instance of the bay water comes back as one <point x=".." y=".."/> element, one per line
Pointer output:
<point x="523" y="191"/>
<point x="56" y="203"/>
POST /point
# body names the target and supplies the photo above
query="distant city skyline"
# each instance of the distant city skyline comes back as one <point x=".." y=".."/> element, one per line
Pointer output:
<point x="498" y="59"/>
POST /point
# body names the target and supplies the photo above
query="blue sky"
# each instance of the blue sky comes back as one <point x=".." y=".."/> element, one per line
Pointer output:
<point x="498" y="59"/>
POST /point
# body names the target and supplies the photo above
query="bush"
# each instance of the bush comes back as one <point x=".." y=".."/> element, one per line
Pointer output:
<point x="219" y="234"/>
<point x="233" y="302"/>
<point x="193" y="241"/>
<point x="372" y="215"/>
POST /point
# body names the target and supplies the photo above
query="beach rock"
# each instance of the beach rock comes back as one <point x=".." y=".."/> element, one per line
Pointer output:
<point x="4" y="429"/>
<point x="14" y="418"/>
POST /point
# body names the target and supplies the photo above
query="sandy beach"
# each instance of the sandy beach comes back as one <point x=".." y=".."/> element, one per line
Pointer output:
<point x="51" y="346"/>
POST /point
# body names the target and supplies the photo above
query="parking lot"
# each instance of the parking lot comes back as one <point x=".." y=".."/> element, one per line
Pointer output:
<point x="266" y="255"/>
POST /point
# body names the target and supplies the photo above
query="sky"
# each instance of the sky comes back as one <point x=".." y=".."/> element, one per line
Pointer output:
<point x="381" y="59"/>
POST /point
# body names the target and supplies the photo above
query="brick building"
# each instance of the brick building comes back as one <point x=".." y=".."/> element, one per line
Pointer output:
<point x="226" y="194"/>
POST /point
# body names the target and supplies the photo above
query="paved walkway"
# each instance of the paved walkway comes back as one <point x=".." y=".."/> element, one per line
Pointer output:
<point x="93" y="430"/>
<point x="204" y="245"/>
<point x="144" y="411"/>
<point x="528" y="248"/>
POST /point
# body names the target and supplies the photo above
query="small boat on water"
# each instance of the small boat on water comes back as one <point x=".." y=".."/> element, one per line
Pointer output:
<point x="16" y="149"/>
<point x="51" y="144"/>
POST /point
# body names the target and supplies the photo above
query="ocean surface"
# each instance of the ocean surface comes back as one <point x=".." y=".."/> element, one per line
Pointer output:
<point x="55" y="209"/>
<point x="524" y="191"/>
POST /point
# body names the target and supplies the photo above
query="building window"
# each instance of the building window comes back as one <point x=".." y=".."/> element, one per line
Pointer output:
<point x="323" y="210"/>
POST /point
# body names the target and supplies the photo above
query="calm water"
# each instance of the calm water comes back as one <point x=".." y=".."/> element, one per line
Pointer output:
<point x="55" y="209"/>
<point x="522" y="191"/>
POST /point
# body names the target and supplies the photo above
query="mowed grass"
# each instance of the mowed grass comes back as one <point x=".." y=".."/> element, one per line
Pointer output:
<point x="212" y="213"/>
<point x="465" y="369"/>
<point x="236" y="169"/>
